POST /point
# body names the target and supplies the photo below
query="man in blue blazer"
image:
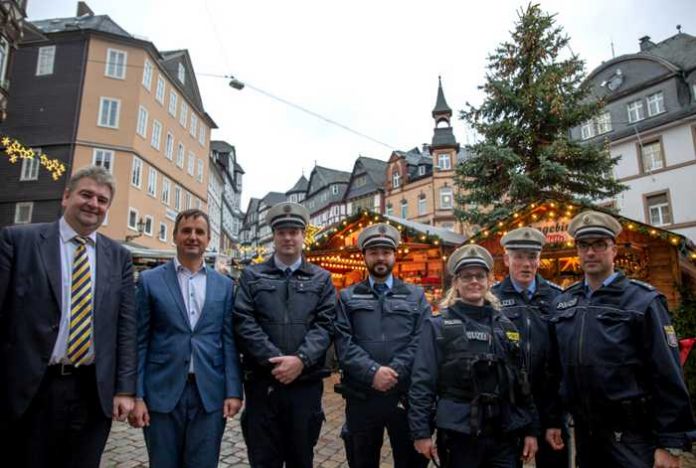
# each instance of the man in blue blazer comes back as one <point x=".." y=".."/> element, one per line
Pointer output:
<point x="188" y="368"/>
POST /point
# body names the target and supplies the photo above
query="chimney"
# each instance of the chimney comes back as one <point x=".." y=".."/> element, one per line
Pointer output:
<point x="84" y="9"/>
<point x="645" y="43"/>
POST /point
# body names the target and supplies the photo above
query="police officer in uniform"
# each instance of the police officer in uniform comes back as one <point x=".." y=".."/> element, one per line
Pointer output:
<point x="622" y="381"/>
<point x="468" y="367"/>
<point x="526" y="299"/>
<point x="378" y="322"/>
<point x="283" y="316"/>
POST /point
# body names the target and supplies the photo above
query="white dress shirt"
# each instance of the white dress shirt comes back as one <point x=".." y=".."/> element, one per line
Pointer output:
<point x="67" y="255"/>
<point x="193" y="286"/>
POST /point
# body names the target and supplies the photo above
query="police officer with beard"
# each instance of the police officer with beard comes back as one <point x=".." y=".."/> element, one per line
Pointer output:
<point x="622" y="381"/>
<point x="468" y="368"/>
<point x="283" y="317"/>
<point x="526" y="299"/>
<point x="378" y="322"/>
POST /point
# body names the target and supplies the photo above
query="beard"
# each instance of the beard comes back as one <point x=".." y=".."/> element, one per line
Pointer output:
<point x="380" y="270"/>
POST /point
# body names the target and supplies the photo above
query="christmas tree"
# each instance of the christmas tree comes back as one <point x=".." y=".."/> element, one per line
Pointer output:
<point x="535" y="93"/>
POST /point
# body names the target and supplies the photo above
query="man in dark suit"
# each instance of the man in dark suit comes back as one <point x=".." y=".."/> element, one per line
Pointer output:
<point x="188" y="368"/>
<point x="67" y="331"/>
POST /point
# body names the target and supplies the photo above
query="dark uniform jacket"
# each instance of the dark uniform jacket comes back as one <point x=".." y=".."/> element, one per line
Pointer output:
<point x="530" y="316"/>
<point x="275" y="315"/>
<point x="620" y="360"/>
<point x="515" y="411"/>
<point x="374" y="331"/>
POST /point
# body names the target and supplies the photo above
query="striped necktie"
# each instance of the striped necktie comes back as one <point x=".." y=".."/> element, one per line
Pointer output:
<point x="80" y="337"/>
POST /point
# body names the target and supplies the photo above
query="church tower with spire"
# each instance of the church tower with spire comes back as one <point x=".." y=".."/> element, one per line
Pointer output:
<point x="444" y="146"/>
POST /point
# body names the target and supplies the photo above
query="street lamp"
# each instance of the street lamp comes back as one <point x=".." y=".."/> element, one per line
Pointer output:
<point x="236" y="84"/>
<point x="141" y="230"/>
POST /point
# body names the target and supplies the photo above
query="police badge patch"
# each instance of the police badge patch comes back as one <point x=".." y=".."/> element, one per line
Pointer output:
<point x="513" y="336"/>
<point x="507" y="302"/>
<point x="671" y="336"/>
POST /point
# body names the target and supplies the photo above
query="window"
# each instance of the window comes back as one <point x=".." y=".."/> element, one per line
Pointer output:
<point x="149" y="222"/>
<point x="659" y="212"/>
<point x="180" y="155"/>
<point x="421" y="170"/>
<point x="182" y="73"/>
<point x="152" y="182"/>
<point x="445" y="163"/>
<point x="23" y="211"/>
<point x="656" y="104"/>
<point x="446" y="198"/>
<point x="133" y="219"/>
<point x="115" y="64"/>
<point x="103" y="158"/>
<point x="109" y="112"/>
<point x="136" y="172"/>
<point x="201" y="135"/>
<point x="141" y="128"/>
<point x="169" y="146"/>
<point x="635" y="111"/>
<point x="166" y="186"/>
<point x="587" y="130"/>
<point x="45" y="60"/>
<point x="147" y="74"/>
<point x="422" y="205"/>
<point x="187" y="200"/>
<point x="199" y="172"/>
<point x="184" y="114"/>
<point x="4" y="54"/>
<point x="396" y="179"/>
<point x="191" y="163"/>
<point x="156" y="134"/>
<point x="159" y="93"/>
<point x="693" y="88"/>
<point x="334" y="189"/>
<point x="651" y="156"/>
<point x="404" y="209"/>
<point x="194" y="125"/>
<point x="30" y="167"/>
<point x="162" y="232"/>
<point x="177" y="198"/>
<point x="173" y="98"/>
<point x="198" y="203"/>
<point x="603" y="123"/>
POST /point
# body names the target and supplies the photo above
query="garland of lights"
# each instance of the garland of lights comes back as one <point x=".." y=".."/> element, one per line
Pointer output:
<point x="15" y="151"/>
<point x="368" y="218"/>
<point x="555" y="211"/>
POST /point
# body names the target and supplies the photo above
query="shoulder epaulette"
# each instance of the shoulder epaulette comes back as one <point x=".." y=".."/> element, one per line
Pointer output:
<point x="642" y="284"/>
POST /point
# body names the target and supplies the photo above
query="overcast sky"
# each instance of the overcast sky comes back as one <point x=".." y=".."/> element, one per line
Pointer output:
<point x="370" y="65"/>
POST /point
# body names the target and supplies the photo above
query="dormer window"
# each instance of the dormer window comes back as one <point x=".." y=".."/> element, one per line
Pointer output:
<point x="334" y="189"/>
<point x="421" y="170"/>
<point x="656" y="104"/>
<point x="396" y="179"/>
<point x="182" y="73"/>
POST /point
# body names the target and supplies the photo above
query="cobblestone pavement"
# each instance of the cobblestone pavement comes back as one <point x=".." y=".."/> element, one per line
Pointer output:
<point x="126" y="447"/>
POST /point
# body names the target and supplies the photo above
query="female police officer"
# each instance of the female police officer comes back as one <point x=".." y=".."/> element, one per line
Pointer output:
<point x="468" y="368"/>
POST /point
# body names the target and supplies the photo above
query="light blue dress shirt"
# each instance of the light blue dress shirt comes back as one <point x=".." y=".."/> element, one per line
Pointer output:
<point x="193" y="285"/>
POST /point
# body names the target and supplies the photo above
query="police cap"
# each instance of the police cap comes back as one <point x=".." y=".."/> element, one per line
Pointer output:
<point x="287" y="215"/>
<point x="524" y="238"/>
<point x="379" y="235"/>
<point x="467" y="256"/>
<point x="593" y="224"/>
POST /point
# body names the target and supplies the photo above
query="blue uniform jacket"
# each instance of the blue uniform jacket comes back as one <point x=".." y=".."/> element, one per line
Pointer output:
<point x="537" y="345"/>
<point x="374" y="331"/>
<point x="455" y="415"/>
<point x="616" y="347"/>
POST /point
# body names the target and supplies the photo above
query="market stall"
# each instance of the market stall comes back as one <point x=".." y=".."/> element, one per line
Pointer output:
<point x="420" y="258"/>
<point x="647" y="253"/>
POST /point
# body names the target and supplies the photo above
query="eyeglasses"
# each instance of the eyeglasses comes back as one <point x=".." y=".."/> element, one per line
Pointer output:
<point x="469" y="277"/>
<point x="597" y="246"/>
